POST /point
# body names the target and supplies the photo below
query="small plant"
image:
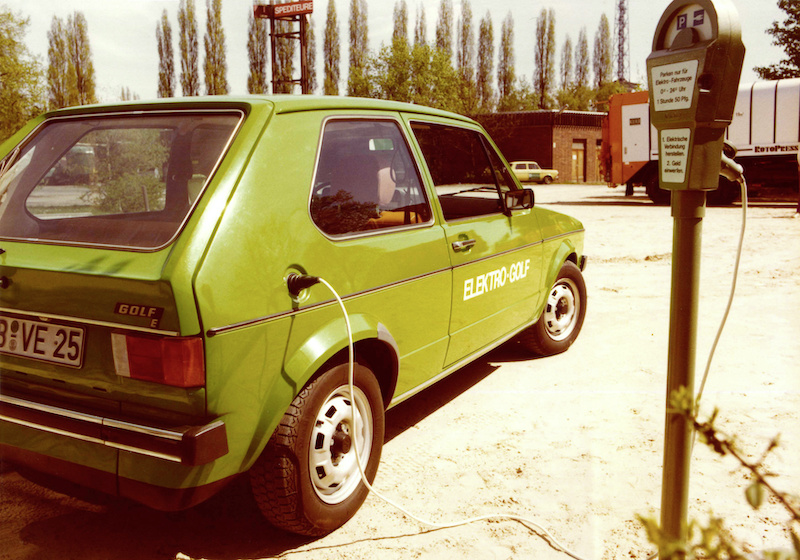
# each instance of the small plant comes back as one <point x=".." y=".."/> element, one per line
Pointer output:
<point x="712" y="541"/>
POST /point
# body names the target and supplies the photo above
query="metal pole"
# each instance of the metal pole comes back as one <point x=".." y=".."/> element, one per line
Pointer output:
<point x="688" y="210"/>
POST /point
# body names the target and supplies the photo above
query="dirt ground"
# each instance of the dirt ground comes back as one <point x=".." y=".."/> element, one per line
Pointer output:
<point x="574" y="442"/>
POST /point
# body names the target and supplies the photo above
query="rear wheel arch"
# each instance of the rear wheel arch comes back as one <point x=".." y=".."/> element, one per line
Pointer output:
<point x="328" y="347"/>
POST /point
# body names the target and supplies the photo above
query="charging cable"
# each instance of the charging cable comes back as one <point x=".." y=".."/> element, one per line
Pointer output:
<point x="733" y="172"/>
<point x="296" y="283"/>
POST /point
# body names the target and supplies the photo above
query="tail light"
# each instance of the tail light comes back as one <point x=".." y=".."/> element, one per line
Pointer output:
<point x="176" y="361"/>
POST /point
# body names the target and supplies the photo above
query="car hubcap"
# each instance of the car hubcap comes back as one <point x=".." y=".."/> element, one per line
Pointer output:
<point x="332" y="457"/>
<point x="561" y="310"/>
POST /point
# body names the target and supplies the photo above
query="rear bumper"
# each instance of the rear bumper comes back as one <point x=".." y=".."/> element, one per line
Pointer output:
<point x="188" y="445"/>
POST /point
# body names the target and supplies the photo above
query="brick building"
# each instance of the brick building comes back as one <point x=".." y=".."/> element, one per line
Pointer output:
<point x="569" y="141"/>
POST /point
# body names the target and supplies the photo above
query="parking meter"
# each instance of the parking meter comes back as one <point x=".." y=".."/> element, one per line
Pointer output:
<point x="693" y="75"/>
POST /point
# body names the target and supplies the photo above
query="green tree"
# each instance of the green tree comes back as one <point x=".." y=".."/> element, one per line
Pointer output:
<point x="166" y="58"/>
<point x="21" y="76"/>
<point x="544" y="55"/>
<point x="188" y="44"/>
<point x="392" y="69"/>
<point x="785" y="34"/>
<point x="257" y="49"/>
<point x="215" y="67"/>
<point x="603" y="62"/>
<point x="58" y="65"/>
<point x="81" y="69"/>
<point x="331" y="52"/>
<point x="358" y="78"/>
<point x="485" y="64"/>
<point x="505" y="63"/>
<point x="444" y="28"/>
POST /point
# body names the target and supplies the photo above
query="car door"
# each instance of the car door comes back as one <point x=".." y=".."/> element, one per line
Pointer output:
<point x="495" y="256"/>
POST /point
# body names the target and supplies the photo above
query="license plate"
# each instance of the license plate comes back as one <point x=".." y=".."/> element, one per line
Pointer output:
<point x="48" y="342"/>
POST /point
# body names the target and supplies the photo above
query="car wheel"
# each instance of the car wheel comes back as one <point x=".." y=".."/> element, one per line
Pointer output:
<point x="307" y="480"/>
<point x="547" y="179"/>
<point x="562" y="317"/>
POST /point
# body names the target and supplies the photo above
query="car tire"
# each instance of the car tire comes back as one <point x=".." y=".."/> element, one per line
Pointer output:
<point x="306" y="480"/>
<point x="562" y="317"/>
<point x="547" y="179"/>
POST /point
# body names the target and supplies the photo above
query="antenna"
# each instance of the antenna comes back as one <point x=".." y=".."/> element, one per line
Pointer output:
<point x="623" y="39"/>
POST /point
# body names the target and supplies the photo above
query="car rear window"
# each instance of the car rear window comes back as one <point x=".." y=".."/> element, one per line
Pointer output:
<point x="123" y="180"/>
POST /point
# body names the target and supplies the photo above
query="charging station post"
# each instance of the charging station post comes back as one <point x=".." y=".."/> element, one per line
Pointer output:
<point x="693" y="75"/>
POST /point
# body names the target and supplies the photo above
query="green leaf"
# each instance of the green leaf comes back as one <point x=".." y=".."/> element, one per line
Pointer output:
<point x="755" y="494"/>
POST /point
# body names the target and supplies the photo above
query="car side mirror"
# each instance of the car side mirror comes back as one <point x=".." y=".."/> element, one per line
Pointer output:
<point x="519" y="200"/>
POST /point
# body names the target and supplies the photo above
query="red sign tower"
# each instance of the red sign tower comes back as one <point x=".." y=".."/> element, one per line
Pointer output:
<point x="294" y="12"/>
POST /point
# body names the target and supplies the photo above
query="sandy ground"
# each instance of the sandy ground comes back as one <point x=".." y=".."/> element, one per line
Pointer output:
<point x="573" y="442"/>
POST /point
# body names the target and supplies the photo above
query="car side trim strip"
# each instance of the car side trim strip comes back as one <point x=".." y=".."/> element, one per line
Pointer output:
<point x="214" y="331"/>
<point x="259" y="320"/>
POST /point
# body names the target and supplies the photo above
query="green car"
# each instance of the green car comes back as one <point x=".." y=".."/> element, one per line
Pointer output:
<point x="162" y="330"/>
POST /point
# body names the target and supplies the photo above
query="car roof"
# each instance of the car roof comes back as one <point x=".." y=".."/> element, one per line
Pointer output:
<point x="281" y="104"/>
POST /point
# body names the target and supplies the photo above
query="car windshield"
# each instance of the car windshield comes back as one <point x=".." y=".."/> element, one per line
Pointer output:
<point x="116" y="180"/>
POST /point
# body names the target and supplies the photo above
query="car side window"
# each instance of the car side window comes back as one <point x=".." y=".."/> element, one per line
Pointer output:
<point x="467" y="173"/>
<point x="366" y="179"/>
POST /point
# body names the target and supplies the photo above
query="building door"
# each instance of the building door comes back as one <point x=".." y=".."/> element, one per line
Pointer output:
<point x="579" y="161"/>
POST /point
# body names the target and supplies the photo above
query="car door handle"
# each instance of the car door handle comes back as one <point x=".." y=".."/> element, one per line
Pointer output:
<point x="463" y="245"/>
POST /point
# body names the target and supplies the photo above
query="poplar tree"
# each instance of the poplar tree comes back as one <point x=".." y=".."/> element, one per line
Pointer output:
<point x="166" y="58"/>
<point x="358" y="79"/>
<point x="311" y="56"/>
<point x="465" y="61"/>
<point x="257" y="49"/>
<point x="420" y="27"/>
<point x="188" y="44"/>
<point x="580" y="94"/>
<point x="566" y="64"/>
<point x="81" y="69"/>
<point x="505" y="62"/>
<point x="544" y="56"/>
<point x="603" y="69"/>
<point x="393" y="67"/>
<point x="331" y="52"/>
<point x="58" y="65"/>
<point x="444" y="28"/>
<point x="400" y="21"/>
<point x="582" y="60"/>
<point x="215" y="67"/>
<point x="485" y="64"/>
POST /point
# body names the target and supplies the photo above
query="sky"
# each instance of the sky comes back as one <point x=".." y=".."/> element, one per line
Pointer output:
<point x="123" y="43"/>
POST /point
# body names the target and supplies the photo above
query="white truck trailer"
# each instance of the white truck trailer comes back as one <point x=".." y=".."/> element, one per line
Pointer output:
<point x="765" y="130"/>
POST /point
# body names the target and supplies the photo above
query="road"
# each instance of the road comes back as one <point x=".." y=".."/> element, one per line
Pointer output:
<point x="573" y="441"/>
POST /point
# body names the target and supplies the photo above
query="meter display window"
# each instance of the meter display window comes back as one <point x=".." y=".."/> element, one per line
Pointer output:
<point x="467" y="173"/>
<point x="366" y="180"/>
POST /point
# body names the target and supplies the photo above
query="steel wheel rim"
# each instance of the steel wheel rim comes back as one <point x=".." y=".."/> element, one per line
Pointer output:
<point x="561" y="310"/>
<point x="332" y="462"/>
